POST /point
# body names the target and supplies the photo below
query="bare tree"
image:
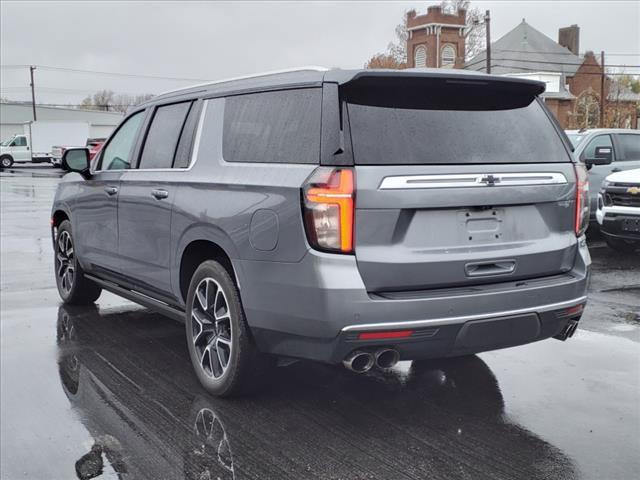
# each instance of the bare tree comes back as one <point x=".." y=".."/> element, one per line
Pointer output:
<point x="396" y="54"/>
<point x="475" y="31"/>
<point x="107" y="100"/>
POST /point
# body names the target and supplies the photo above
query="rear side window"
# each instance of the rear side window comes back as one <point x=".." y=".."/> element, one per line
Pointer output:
<point x="630" y="145"/>
<point x="162" y="139"/>
<point x="385" y="135"/>
<point x="273" y="127"/>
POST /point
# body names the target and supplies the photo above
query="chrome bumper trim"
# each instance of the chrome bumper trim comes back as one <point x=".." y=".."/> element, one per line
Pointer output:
<point x="461" y="319"/>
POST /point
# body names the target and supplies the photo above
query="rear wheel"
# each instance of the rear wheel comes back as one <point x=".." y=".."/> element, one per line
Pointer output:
<point x="74" y="288"/>
<point x="622" y="245"/>
<point x="6" y="161"/>
<point x="222" y="351"/>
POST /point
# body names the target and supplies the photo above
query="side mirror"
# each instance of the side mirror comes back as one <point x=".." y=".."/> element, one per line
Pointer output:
<point x="603" y="156"/>
<point x="76" y="160"/>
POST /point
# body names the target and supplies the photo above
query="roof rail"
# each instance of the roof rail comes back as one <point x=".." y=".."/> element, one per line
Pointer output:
<point x="243" y="77"/>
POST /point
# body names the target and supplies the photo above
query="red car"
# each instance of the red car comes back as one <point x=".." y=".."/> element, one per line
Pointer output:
<point x="94" y="146"/>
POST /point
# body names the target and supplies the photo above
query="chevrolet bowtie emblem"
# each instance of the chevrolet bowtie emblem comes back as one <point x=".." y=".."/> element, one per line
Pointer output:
<point x="633" y="190"/>
<point x="490" y="180"/>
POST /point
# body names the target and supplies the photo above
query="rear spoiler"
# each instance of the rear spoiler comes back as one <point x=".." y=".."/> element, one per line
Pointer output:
<point x="436" y="89"/>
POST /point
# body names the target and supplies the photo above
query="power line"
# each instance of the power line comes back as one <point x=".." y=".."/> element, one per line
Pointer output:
<point x="566" y="53"/>
<point x="554" y="71"/>
<point x="568" y="64"/>
<point x="113" y="74"/>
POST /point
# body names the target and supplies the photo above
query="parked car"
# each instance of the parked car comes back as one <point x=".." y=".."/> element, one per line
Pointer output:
<point x="35" y="143"/>
<point x="625" y="155"/>
<point x="94" y="145"/>
<point x="339" y="216"/>
<point x="618" y="212"/>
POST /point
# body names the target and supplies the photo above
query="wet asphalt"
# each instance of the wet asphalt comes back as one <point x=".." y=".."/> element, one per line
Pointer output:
<point x="108" y="391"/>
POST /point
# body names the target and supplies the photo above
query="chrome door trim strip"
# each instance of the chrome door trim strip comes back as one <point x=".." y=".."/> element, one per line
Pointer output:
<point x="462" y="319"/>
<point x="467" y="180"/>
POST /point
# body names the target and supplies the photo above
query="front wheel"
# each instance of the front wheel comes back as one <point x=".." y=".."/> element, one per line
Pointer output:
<point x="222" y="351"/>
<point x="74" y="288"/>
<point x="6" y="161"/>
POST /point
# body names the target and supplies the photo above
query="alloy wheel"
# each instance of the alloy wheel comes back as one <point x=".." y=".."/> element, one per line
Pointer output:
<point x="211" y="328"/>
<point x="65" y="261"/>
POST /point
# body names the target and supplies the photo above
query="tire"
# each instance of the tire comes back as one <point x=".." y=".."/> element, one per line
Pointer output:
<point x="6" y="161"/>
<point x="626" y="246"/>
<point x="217" y="332"/>
<point x="74" y="288"/>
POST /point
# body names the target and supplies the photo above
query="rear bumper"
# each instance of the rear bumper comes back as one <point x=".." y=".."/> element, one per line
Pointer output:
<point x="316" y="309"/>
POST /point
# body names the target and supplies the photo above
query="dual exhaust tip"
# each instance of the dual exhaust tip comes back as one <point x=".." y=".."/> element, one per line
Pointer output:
<point x="361" y="361"/>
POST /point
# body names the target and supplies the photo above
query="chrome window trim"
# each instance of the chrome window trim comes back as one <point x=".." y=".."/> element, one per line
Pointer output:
<point x="472" y="180"/>
<point x="461" y="319"/>
<point x="194" y="152"/>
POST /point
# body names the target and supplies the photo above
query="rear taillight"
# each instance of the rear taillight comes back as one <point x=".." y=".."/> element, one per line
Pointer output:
<point x="328" y="209"/>
<point x="582" y="200"/>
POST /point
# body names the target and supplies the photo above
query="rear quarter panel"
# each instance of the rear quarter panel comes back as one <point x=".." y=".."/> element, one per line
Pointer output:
<point x="251" y="210"/>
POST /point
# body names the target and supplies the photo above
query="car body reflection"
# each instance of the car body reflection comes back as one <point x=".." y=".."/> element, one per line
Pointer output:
<point x="128" y="376"/>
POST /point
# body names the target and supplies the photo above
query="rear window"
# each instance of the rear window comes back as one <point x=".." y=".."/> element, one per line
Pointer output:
<point x="273" y="127"/>
<point x="383" y="135"/>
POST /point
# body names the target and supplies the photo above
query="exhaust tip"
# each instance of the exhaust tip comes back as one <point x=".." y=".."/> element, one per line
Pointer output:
<point x="359" y="361"/>
<point x="386" y="358"/>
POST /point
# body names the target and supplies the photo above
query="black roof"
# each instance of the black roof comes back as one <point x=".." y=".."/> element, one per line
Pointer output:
<point x="313" y="76"/>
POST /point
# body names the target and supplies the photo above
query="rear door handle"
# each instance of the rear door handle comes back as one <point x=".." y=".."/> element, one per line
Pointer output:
<point x="111" y="190"/>
<point x="160" y="194"/>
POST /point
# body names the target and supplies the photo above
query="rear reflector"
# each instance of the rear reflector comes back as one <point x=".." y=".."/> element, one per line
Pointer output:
<point x="574" y="310"/>
<point x="385" y="335"/>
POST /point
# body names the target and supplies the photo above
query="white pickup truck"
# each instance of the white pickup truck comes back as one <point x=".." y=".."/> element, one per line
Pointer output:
<point x="37" y="140"/>
<point x="618" y="210"/>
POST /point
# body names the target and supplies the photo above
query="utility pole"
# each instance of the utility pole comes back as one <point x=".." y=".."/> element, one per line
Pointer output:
<point x="487" y="23"/>
<point x="602" y="93"/>
<point x="33" y="92"/>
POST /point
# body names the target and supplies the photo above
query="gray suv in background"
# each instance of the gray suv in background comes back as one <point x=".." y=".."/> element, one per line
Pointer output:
<point x="358" y="217"/>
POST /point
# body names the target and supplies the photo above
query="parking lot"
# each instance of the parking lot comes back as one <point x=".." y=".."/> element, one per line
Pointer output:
<point x="110" y="390"/>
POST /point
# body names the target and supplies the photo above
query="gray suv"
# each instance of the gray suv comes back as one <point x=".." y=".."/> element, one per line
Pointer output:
<point x="358" y="217"/>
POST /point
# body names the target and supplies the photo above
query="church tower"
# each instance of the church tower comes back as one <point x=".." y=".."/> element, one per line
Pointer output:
<point x="436" y="40"/>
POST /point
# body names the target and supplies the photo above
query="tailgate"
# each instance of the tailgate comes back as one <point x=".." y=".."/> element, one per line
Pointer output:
<point x="411" y="236"/>
<point x="459" y="181"/>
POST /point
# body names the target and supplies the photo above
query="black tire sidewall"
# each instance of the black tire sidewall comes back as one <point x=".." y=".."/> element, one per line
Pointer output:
<point x="227" y="383"/>
<point x="83" y="291"/>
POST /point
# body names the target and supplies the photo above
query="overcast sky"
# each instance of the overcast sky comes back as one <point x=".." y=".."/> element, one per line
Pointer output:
<point x="202" y="40"/>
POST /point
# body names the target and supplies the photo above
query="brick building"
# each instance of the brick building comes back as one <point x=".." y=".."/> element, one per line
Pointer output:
<point x="574" y="82"/>
<point x="436" y="39"/>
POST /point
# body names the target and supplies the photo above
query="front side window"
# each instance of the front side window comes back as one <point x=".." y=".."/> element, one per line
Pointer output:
<point x="117" y="154"/>
<point x="600" y="141"/>
<point x="20" y="142"/>
<point x="630" y="145"/>
<point x="164" y="132"/>
<point x="273" y="127"/>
